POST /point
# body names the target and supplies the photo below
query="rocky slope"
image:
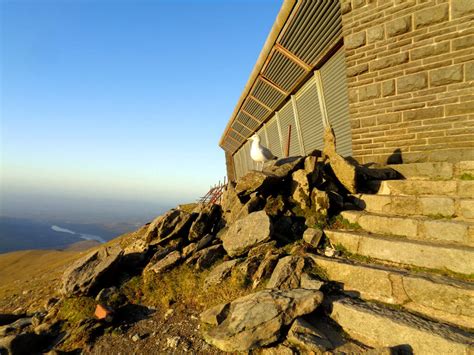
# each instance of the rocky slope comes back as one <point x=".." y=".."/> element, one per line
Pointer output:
<point x="245" y="275"/>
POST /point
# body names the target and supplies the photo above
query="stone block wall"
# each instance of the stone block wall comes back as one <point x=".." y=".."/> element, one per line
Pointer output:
<point x="410" y="71"/>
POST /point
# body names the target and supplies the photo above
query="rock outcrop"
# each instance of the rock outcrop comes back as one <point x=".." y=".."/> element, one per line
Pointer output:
<point x="257" y="319"/>
<point x="91" y="272"/>
<point x="247" y="232"/>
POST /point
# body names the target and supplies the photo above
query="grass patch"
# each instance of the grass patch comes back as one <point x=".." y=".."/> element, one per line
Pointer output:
<point x="185" y="285"/>
<point x="318" y="272"/>
<point x="466" y="176"/>
<point x="76" y="309"/>
<point x="339" y="222"/>
<point x="356" y="257"/>
<point x="188" y="207"/>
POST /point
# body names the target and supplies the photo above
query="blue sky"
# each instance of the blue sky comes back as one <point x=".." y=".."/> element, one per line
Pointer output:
<point x="122" y="99"/>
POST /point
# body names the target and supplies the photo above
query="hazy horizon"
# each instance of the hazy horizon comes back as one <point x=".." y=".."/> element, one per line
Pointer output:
<point x="114" y="110"/>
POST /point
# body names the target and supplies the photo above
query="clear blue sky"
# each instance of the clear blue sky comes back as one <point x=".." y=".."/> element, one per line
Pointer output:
<point x="122" y="99"/>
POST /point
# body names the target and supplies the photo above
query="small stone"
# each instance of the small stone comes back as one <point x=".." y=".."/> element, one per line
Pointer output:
<point x="329" y="252"/>
<point x="312" y="236"/>
<point x="172" y="343"/>
<point x="136" y="337"/>
<point x="309" y="282"/>
<point x="169" y="313"/>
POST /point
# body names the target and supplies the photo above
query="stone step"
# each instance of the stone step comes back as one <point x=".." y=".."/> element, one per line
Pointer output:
<point x="435" y="296"/>
<point x="459" y="188"/>
<point x="416" y="228"/>
<point x="431" y="206"/>
<point x="455" y="258"/>
<point x="434" y="170"/>
<point x="389" y="327"/>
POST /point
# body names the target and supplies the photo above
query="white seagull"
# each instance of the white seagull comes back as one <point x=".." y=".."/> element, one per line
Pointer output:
<point x="258" y="152"/>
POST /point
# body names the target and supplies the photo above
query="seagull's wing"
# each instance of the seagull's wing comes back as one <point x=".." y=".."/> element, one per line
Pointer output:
<point x="267" y="153"/>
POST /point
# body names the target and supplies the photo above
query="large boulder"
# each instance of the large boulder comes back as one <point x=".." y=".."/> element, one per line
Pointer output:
<point x="245" y="233"/>
<point x="164" y="264"/>
<point x="92" y="272"/>
<point x="230" y="203"/>
<point x="300" y="188"/>
<point x="206" y="257"/>
<point x="256" y="181"/>
<point x="287" y="273"/>
<point x="257" y="319"/>
<point x="321" y="202"/>
<point x="173" y="225"/>
<point x="163" y="225"/>
<point x="26" y="343"/>
<point x="254" y="204"/>
<point x="308" y="338"/>
<point x="344" y="169"/>
<point x="282" y="168"/>
<point x="205" y="222"/>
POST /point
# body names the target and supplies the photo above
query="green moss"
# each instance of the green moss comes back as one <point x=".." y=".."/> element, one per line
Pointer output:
<point x="466" y="176"/>
<point x="339" y="222"/>
<point x="318" y="272"/>
<point x="133" y="289"/>
<point x="76" y="309"/>
<point x="187" y="286"/>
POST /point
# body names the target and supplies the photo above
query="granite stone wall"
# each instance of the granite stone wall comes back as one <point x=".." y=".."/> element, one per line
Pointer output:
<point x="410" y="71"/>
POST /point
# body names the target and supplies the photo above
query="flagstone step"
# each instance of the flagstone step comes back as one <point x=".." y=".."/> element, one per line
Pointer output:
<point x="417" y="228"/>
<point x="460" y="188"/>
<point x="389" y="327"/>
<point x="434" y="170"/>
<point x="431" y="206"/>
<point x="455" y="258"/>
<point x="435" y="296"/>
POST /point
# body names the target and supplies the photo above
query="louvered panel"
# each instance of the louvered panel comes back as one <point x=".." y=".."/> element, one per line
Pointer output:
<point x="309" y="113"/>
<point x="247" y="120"/>
<point x="283" y="71"/>
<point x="229" y="145"/>
<point x="267" y="94"/>
<point x="274" y="143"/>
<point x="287" y="118"/>
<point x="333" y="76"/>
<point x="316" y="24"/>
<point x="241" y="129"/>
<point x="255" y="109"/>
<point x="235" y="136"/>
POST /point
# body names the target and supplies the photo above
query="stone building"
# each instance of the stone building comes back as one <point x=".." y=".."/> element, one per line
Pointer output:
<point x="393" y="77"/>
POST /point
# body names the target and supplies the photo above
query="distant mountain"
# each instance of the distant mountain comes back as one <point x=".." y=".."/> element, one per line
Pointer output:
<point x="22" y="234"/>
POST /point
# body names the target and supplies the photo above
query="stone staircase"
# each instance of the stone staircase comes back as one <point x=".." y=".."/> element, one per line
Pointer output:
<point x="407" y="262"/>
